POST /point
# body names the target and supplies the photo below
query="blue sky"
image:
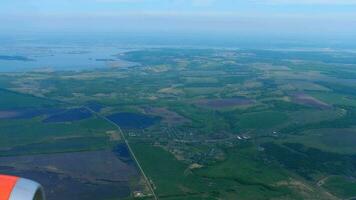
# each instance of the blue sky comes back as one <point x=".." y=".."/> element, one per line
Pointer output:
<point x="245" y="17"/>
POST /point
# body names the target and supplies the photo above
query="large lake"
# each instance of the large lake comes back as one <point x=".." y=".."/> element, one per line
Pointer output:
<point x="57" y="58"/>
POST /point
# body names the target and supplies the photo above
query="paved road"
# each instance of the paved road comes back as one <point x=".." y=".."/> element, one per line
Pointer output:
<point x="129" y="147"/>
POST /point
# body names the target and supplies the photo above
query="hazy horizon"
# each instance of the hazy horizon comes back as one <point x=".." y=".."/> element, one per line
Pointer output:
<point x="322" y="20"/>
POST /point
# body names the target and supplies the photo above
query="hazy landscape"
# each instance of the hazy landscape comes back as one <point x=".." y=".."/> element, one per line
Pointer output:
<point x="178" y="99"/>
<point x="201" y="123"/>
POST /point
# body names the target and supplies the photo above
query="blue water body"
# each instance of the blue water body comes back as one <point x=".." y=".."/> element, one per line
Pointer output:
<point x="75" y="114"/>
<point x="133" y="120"/>
<point x="18" y="58"/>
<point x="53" y="52"/>
<point x="123" y="153"/>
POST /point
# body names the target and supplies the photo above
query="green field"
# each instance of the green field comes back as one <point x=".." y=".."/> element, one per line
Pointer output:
<point x="341" y="187"/>
<point x="333" y="140"/>
<point x="171" y="177"/>
<point x="10" y="99"/>
<point x="262" y="120"/>
<point x="335" y="98"/>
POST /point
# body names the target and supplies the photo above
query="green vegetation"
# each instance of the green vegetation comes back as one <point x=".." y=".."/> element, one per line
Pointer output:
<point x="11" y="100"/>
<point x="171" y="177"/>
<point x="235" y="124"/>
<point x="263" y="119"/>
<point x="244" y="168"/>
<point x="341" y="186"/>
<point x="34" y="136"/>
<point x="335" y="98"/>
<point x="308" y="162"/>
<point x="331" y="140"/>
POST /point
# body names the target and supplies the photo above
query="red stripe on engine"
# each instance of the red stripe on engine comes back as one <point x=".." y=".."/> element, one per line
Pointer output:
<point x="7" y="184"/>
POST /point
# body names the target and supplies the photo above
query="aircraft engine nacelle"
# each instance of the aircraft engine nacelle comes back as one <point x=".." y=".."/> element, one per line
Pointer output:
<point x="15" y="188"/>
